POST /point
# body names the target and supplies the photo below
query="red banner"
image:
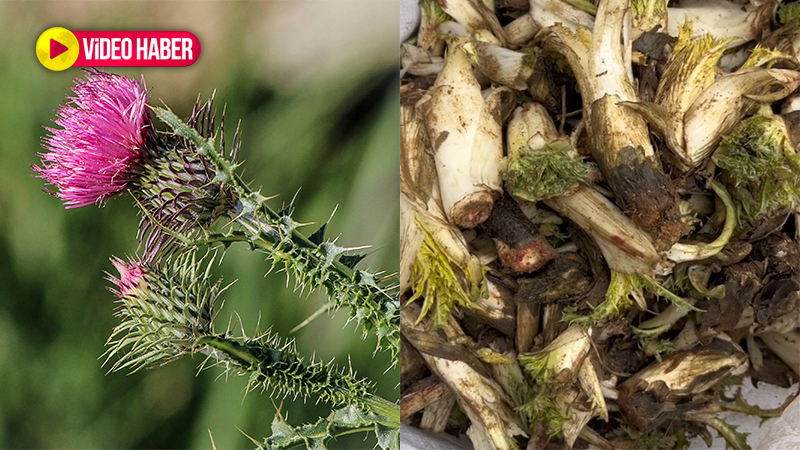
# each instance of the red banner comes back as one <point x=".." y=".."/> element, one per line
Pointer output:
<point x="136" y="48"/>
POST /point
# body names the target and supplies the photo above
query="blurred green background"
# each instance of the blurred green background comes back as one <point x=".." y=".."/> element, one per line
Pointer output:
<point x="315" y="86"/>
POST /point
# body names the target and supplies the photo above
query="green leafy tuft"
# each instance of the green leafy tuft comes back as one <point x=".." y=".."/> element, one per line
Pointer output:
<point x="788" y="12"/>
<point x="545" y="172"/>
<point x="760" y="168"/>
<point x="543" y="411"/>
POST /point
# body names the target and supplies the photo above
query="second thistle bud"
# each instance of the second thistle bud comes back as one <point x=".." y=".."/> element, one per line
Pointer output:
<point x="162" y="314"/>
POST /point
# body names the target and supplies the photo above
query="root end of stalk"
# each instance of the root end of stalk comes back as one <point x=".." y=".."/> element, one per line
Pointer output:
<point x="525" y="258"/>
<point x="648" y="197"/>
<point x="472" y="210"/>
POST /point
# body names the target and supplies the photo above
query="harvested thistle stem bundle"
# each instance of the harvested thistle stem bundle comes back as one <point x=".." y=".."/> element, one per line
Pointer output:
<point x="494" y="425"/>
<point x="544" y="167"/>
<point x="692" y="110"/>
<point x="568" y="393"/>
<point x="720" y="303"/>
<point x="620" y="140"/>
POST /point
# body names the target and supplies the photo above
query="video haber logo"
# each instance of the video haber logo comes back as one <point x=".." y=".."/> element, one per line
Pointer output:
<point x="59" y="48"/>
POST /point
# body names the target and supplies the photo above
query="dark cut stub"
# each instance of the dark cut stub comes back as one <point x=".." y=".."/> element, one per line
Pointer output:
<point x="519" y="245"/>
<point x="647" y="196"/>
<point x="566" y="279"/>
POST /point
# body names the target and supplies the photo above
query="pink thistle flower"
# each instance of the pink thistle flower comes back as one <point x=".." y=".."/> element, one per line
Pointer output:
<point x="104" y="136"/>
<point x="131" y="275"/>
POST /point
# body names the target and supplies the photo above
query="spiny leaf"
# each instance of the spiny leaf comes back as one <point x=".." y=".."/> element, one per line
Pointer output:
<point x="352" y="260"/>
<point x="339" y="422"/>
<point x="318" y="236"/>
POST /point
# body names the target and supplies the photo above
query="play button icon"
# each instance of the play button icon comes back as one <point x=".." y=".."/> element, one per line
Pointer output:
<point x="56" y="48"/>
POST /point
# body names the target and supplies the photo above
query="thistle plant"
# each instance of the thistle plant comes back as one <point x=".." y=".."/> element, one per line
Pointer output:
<point x="183" y="182"/>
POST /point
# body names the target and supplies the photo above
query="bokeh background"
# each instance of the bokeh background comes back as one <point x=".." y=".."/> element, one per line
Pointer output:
<point x="315" y="86"/>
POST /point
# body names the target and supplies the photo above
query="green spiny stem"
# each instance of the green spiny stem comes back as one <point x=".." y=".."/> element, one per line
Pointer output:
<point x="312" y="264"/>
<point x="231" y="349"/>
<point x="284" y="371"/>
<point x="384" y="408"/>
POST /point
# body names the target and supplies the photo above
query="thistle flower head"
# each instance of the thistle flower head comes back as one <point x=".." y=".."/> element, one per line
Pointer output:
<point x="104" y="135"/>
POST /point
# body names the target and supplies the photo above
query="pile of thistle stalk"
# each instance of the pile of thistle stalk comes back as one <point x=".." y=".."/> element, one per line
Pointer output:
<point x="600" y="219"/>
<point x="194" y="205"/>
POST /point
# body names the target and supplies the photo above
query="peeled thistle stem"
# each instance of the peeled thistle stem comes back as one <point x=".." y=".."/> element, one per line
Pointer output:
<point x="312" y="261"/>
<point x="620" y="137"/>
<point x="625" y="154"/>
<point x="428" y="38"/>
<point x="435" y="263"/>
<point x="571" y="14"/>
<point x="465" y="132"/>
<point x="717" y="17"/>
<point x="785" y="345"/>
<point x="494" y="424"/>
<point x="503" y="66"/>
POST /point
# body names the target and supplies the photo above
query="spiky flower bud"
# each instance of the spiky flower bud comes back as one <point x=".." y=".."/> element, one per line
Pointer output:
<point x="178" y="188"/>
<point x="163" y="315"/>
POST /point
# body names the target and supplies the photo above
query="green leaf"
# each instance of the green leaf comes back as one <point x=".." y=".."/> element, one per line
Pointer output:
<point x="318" y="236"/>
<point x="352" y="260"/>
<point x="340" y="422"/>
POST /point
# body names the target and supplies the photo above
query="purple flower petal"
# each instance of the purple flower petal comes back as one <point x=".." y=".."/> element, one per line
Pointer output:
<point x="131" y="273"/>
